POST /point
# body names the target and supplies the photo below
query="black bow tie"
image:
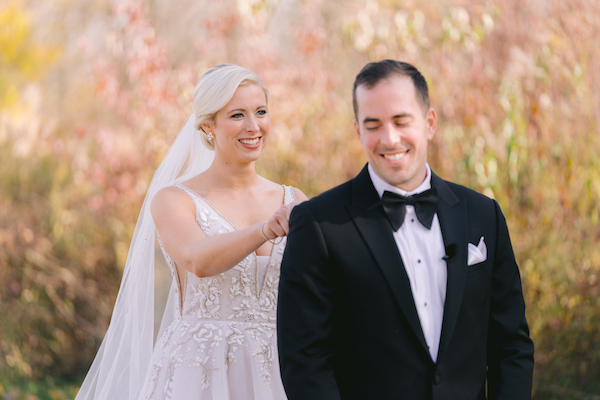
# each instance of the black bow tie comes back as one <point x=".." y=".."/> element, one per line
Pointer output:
<point x="425" y="205"/>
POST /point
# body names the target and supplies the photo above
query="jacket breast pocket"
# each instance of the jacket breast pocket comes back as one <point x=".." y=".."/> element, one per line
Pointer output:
<point x="478" y="283"/>
<point x="482" y="268"/>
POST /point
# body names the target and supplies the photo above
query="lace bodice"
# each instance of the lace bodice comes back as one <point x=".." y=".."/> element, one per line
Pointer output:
<point x="238" y="294"/>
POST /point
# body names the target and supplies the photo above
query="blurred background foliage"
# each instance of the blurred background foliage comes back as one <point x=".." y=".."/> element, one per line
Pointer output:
<point x="92" y="93"/>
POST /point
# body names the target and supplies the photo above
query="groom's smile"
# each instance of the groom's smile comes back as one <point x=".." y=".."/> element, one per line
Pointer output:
<point x="394" y="157"/>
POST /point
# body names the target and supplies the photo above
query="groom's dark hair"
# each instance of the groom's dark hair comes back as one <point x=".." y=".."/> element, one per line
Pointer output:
<point x="374" y="72"/>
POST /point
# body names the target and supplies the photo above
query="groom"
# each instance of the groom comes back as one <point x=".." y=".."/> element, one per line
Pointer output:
<point x="398" y="284"/>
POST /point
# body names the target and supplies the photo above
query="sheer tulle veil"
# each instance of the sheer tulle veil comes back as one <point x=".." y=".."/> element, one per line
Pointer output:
<point x="123" y="359"/>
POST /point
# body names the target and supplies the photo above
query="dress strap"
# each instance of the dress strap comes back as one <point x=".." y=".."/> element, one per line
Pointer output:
<point x="289" y="194"/>
<point x="193" y="195"/>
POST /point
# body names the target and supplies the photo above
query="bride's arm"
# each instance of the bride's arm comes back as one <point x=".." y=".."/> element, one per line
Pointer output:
<point x="174" y="216"/>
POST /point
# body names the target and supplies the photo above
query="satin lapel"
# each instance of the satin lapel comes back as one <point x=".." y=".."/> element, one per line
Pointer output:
<point x="375" y="229"/>
<point x="453" y="218"/>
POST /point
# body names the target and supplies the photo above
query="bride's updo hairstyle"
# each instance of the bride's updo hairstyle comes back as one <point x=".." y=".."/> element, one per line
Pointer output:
<point x="214" y="90"/>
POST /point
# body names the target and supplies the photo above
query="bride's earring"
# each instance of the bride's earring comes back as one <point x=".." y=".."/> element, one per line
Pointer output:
<point x="210" y="136"/>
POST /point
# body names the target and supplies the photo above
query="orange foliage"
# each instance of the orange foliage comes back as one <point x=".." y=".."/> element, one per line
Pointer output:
<point x="516" y="90"/>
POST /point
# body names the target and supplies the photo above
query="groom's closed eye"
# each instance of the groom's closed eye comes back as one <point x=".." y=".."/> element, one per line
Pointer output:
<point x="403" y="120"/>
<point x="371" y="123"/>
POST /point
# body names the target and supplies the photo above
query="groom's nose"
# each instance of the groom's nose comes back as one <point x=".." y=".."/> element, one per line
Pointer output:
<point x="390" y="135"/>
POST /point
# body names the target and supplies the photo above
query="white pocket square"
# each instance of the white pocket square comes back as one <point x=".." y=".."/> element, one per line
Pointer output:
<point x="477" y="253"/>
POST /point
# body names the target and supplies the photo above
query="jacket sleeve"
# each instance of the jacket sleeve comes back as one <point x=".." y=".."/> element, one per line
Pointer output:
<point x="510" y="349"/>
<point x="305" y="312"/>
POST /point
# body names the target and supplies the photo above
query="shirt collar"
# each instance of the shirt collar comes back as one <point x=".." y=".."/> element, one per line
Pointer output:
<point x="381" y="185"/>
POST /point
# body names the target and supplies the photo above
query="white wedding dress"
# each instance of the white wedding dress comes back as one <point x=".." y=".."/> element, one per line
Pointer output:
<point x="222" y="344"/>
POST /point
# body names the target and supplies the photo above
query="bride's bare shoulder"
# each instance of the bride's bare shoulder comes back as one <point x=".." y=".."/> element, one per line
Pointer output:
<point x="169" y="198"/>
<point x="300" y="196"/>
<point x="275" y="187"/>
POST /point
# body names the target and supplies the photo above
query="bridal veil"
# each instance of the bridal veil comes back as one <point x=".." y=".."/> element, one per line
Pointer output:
<point x="121" y="364"/>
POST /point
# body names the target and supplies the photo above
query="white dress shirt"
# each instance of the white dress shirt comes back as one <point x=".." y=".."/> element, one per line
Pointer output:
<point x="422" y="252"/>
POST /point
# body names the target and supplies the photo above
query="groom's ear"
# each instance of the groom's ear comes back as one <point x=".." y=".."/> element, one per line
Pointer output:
<point x="357" y="129"/>
<point x="431" y="118"/>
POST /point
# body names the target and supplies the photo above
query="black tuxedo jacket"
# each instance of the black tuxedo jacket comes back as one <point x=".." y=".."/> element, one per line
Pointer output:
<point x="347" y="323"/>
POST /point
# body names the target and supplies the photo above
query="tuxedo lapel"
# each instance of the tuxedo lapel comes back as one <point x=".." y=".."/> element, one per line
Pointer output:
<point x="367" y="214"/>
<point x="453" y="218"/>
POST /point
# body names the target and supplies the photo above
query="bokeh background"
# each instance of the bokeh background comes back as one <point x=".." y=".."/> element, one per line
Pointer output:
<point x="92" y="94"/>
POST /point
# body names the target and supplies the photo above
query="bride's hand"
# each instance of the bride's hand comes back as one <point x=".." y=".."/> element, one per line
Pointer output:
<point x="277" y="225"/>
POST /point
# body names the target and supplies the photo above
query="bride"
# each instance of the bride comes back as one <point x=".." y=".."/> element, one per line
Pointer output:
<point x="222" y="231"/>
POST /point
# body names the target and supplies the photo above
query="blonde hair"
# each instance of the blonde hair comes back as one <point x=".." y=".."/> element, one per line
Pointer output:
<point x="214" y="90"/>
